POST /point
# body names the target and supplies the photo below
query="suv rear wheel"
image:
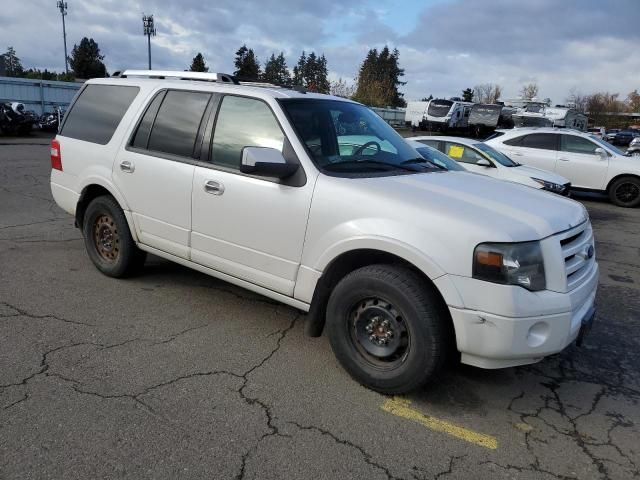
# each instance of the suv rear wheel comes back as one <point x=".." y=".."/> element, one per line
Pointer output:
<point x="625" y="192"/>
<point x="386" y="328"/>
<point x="108" y="240"/>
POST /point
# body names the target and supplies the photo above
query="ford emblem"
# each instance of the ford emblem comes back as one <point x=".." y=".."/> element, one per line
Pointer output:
<point x="590" y="251"/>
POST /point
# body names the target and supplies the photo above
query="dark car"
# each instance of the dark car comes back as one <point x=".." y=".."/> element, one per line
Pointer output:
<point x="611" y="133"/>
<point x="624" y="137"/>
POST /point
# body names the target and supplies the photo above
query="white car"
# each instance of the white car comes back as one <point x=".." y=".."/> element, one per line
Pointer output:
<point x="478" y="157"/>
<point x="316" y="202"/>
<point x="590" y="163"/>
<point x="435" y="156"/>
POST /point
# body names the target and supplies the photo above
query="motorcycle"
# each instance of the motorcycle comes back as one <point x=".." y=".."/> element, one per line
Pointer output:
<point x="15" y="120"/>
<point x="50" y="121"/>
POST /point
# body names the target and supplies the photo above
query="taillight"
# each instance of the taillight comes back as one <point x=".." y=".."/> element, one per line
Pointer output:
<point x="56" y="158"/>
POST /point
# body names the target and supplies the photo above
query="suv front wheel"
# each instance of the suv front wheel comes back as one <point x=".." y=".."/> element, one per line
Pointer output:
<point x="387" y="328"/>
<point x="108" y="240"/>
<point x="625" y="192"/>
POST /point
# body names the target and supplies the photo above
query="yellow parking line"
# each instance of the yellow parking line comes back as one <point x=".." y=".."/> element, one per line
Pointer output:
<point x="400" y="407"/>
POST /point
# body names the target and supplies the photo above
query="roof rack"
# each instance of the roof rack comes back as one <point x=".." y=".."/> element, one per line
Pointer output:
<point x="162" y="74"/>
<point x="204" y="76"/>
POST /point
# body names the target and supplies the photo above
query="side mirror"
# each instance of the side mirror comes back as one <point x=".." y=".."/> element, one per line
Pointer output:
<point x="483" y="162"/>
<point x="602" y="152"/>
<point x="268" y="162"/>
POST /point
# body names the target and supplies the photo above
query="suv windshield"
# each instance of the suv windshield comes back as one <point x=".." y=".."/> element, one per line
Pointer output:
<point x="345" y="137"/>
<point x="495" y="155"/>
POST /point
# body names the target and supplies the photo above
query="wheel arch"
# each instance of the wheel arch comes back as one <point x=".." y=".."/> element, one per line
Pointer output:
<point x="348" y="261"/>
<point x="619" y="176"/>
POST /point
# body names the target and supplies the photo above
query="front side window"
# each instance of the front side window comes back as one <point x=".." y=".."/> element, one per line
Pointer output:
<point x="348" y="138"/>
<point x="243" y="122"/>
<point x="542" y="141"/>
<point x="575" y="144"/>
<point x="440" y="159"/>
<point x="462" y="153"/>
<point x="97" y="112"/>
<point x="495" y="155"/>
<point x="177" y="122"/>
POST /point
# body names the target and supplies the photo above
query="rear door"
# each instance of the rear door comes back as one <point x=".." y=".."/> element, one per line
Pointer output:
<point x="243" y="225"/>
<point x="535" y="149"/>
<point x="579" y="162"/>
<point x="155" y="170"/>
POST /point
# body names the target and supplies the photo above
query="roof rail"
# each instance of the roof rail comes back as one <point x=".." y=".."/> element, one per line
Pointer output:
<point x="162" y="74"/>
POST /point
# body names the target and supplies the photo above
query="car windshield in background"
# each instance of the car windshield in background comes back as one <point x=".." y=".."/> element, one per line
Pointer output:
<point x="495" y="155"/>
<point x="345" y="137"/>
<point x="440" y="159"/>
<point x="606" y="144"/>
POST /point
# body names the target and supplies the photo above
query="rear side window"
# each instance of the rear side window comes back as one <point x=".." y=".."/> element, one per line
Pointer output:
<point x="575" y="144"/>
<point x="243" y="122"/>
<point x="542" y="141"/>
<point x="97" y="112"/>
<point x="141" y="138"/>
<point x="177" y="122"/>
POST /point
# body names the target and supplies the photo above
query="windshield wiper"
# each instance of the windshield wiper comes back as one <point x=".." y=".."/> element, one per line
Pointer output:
<point x="373" y="162"/>
<point x="418" y="160"/>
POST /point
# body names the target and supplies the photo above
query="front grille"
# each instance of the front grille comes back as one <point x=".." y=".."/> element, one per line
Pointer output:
<point x="579" y="254"/>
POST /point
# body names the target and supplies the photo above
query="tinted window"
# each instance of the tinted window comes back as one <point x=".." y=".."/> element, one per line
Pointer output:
<point x="176" y="126"/>
<point x="243" y="122"/>
<point x="97" y="112"/>
<point x="495" y="155"/>
<point x="433" y="143"/>
<point x="514" y="142"/>
<point x="574" y="144"/>
<point x="141" y="138"/>
<point x="543" y="141"/>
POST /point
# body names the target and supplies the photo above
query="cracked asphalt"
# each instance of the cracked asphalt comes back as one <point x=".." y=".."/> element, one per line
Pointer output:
<point x="173" y="374"/>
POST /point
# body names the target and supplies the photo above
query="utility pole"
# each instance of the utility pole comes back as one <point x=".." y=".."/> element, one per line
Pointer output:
<point x="63" y="11"/>
<point x="149" y="30"/>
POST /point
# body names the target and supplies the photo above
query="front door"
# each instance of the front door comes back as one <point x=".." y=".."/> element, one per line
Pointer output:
<point x="538" y="150"/>
<point x="246" y="226"/>
<point x="579" y="162"/>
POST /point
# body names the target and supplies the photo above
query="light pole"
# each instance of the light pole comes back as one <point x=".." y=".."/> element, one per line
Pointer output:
<point x="149" y="30"/>
<point x="63" y="11"/>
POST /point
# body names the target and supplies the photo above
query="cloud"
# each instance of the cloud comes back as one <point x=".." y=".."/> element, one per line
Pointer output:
<point x="448" y="46"/>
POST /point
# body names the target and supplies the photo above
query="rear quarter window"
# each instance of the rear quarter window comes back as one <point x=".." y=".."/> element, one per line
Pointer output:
<point x="97" y="112"/>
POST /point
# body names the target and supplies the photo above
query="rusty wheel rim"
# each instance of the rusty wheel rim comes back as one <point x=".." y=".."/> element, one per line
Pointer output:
<point x="106" y="238"/>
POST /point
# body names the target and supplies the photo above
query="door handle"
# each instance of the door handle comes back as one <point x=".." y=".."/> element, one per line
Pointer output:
<point x="127" y="166"/>
<point x="517" y="154"/>
<point x="563" y="159"/>
<point x="213" y="187"/>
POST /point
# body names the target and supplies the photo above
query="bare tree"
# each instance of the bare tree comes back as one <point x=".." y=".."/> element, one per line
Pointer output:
<point x="487" y="93"/>
<point x="633" y="101"/>
<point x="577" y="99"/>
<point x="530" y="91"/>
<point x="340" y="88"/>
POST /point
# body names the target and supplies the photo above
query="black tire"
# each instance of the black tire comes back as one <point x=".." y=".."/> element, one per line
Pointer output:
<point x="421" y="323"/>
<point x="108" y="240"/>
<point x="625" y="192"/>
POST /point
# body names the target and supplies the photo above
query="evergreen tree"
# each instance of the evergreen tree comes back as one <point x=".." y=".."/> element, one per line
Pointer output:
<point x="86" y="61"/>
<point x="275" y="70"/>
<point x="246" y="63"/>
<point x="12" y="64"/>
<point x="311" y="72"/>
<point x="467" y="95"/>
<point x="198" y="64"/>
<point x="379" y="79"/>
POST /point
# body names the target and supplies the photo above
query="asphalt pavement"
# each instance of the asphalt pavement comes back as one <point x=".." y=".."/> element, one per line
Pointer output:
<point x="174" y="374"/>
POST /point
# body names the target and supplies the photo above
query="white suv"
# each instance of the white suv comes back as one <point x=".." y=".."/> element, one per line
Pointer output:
<point x="590" y="163"/>
<point x="316" y="202"/>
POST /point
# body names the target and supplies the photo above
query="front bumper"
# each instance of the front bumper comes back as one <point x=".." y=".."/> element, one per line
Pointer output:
<point x="532" y="329"/>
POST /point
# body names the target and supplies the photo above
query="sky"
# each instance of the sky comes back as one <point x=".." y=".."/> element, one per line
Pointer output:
<point x="445" y="45"/>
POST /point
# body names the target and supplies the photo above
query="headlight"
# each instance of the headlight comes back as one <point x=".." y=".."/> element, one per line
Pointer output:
<point x="550" y="186"/>
<point x="510" y="264"/>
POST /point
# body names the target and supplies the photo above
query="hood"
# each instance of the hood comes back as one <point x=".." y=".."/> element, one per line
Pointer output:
<point x="529" y="172"/>
<point x="487" y="208"/>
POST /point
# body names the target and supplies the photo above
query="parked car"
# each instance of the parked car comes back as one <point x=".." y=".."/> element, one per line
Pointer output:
<point x="590" y="163"/>
<point x="611" y="134"/>
<point x="435" y="156"/>
<point x="623" y="137"/>
<point x="15" y="119"/>
<point x="634" y="147"/>
<point x="256" y="185"/>
<point x="599" y="132"/>
<point x="479" y="157"/>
